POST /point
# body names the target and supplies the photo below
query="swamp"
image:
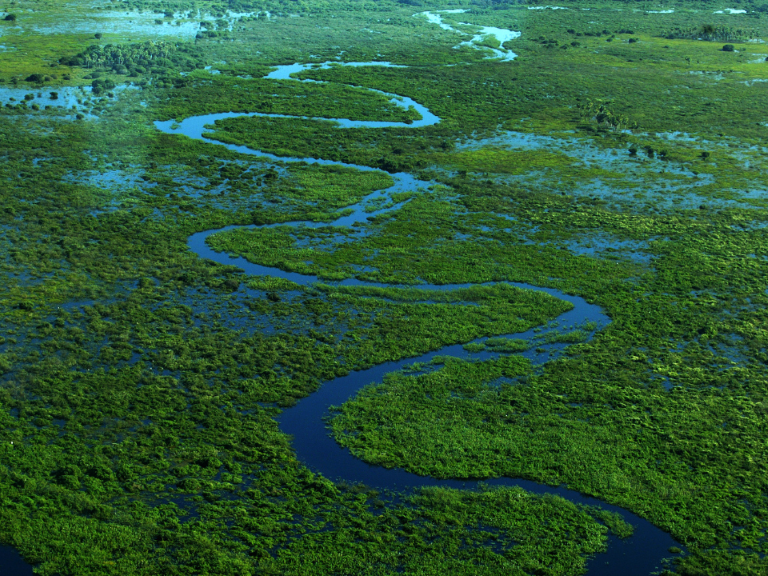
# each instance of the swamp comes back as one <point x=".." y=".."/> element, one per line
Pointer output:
<point x="378" y="287"/>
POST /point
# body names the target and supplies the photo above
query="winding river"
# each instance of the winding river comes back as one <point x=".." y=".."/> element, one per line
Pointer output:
<point x="638" y="555"/>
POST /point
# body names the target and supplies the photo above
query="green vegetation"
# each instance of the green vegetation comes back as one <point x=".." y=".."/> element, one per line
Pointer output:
<point x="140" y="384"/>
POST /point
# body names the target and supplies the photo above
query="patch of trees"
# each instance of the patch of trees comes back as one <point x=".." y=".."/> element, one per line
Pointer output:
<point x="710" y="33"/>
<point x="604" y="115"/>
<point x="40" y="78"/>
<point x="211" y="34"/>
<point x="147" y="58"/>
<point x="102" y="85"/>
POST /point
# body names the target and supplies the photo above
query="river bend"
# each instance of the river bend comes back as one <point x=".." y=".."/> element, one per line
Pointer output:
<point x="638" y="555"/>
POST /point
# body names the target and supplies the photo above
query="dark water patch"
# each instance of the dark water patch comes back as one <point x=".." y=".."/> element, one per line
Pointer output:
<point x="664" y="380"/>
<point x="238" y="311"/>
<point x="732" y="352"/>
<point x="12" y="564"/>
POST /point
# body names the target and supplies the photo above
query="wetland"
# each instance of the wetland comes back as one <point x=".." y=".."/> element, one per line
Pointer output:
<point x="383" y="287"/>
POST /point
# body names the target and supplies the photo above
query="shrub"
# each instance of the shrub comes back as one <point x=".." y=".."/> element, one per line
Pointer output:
<point x="649" y="151"/>
<point x="99" y="86"/>
<point x="729" y="48"/>
<point x="10" y="18"/>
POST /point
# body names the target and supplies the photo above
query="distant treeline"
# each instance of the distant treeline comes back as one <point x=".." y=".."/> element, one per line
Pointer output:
<point x="159" y="60"/>
<point x="750" y="6"/>
<point x="287" y="6"/>
<point x="136" y="59"/>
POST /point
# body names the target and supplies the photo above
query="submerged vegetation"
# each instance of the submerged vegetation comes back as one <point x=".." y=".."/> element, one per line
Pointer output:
<point x="619" y="157"/>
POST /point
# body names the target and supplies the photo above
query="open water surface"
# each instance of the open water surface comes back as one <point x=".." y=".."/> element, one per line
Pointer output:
<point x="501" y="35"/>
<point x="12" y="564"/>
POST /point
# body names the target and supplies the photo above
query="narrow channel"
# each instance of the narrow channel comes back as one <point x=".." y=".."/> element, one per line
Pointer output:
<point x="639" y="555"/>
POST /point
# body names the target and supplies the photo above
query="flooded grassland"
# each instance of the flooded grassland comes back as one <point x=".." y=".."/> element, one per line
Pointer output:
<point x="373" y="288"/>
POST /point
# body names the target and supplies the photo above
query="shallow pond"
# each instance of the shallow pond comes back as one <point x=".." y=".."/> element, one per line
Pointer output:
<point x="143" y="23"/>
<point x="500" y="35"/>
<point x="60" y="98"/>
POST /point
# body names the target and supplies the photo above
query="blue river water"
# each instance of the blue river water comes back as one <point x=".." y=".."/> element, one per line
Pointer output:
<point x="639" y="555"/>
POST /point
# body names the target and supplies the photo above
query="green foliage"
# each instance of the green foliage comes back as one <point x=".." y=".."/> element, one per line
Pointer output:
<point x="139" y="384"/>
<point x="708" y="32"/>
<point x="203" y="94"/>
<point x="138" y="59"/>
<point x="720" y="562"/>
